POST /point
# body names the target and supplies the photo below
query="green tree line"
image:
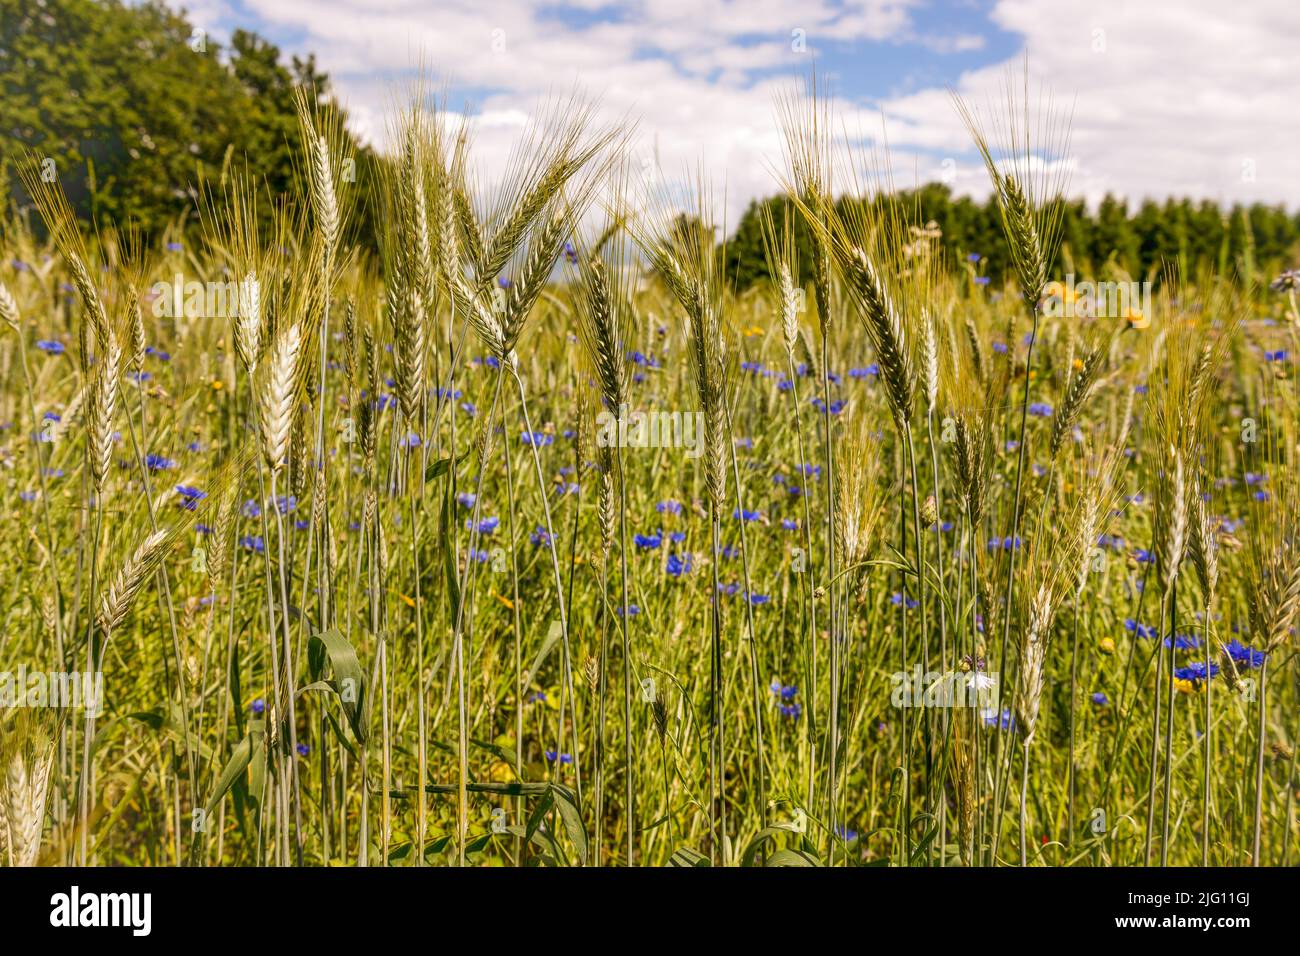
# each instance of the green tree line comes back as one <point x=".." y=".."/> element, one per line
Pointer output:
<point x="136" y="109"/>
<point x="1182" y="235"/>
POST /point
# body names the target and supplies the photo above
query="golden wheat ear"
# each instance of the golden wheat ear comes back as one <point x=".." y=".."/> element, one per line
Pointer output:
<point x="1024" y="148"/>
<point x="26" y="758"/>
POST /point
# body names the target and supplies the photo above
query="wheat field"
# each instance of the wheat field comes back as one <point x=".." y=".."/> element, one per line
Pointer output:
<point x="521" y="537"/>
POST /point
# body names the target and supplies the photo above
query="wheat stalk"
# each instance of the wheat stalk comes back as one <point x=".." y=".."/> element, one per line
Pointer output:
<point x="1075" y="397"/>
<point x="278" y="403"/>
<point x="248" y="322"/>
<point x="929" y="363"/>
<point x="121" y="594"/>
<point x="8" y="308"/>
<point x="99" y="423"/>
<point x="22" y="803"/>
<point x="885" y="329"/>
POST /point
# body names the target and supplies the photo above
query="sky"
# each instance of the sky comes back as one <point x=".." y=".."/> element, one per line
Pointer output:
<point x="1162" y="97"/>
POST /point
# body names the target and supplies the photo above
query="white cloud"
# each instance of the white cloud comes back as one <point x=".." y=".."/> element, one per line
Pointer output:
<point x="1187" y="98"/>
<point x="1169" y="98"/>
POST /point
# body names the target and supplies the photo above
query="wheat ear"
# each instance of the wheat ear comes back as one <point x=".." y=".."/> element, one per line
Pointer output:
<point x="119" y="597"/>
<point x="103" y="400"/>
<point x="278" y="398"/>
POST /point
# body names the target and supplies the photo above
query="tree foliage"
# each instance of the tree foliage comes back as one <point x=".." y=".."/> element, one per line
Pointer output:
<point x="1178" y="234"/>
<point x="135" y="108"/>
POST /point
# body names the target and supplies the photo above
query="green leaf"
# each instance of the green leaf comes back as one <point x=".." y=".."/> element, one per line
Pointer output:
<point x="792" y="858"/>
<point x="571" y="817"/>
<point x="685" y="856"/>
<point x="239" y="760"/>
<point x="448" y="536"/>
<point x="347" y="674"/>
<point x="553" y="635"/>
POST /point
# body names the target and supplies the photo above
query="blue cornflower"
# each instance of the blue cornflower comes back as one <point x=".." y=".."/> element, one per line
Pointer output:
<point x="190" y="496"/>
<point x="1195" y="672"/>
<point x="259" y="705"/>
<point x="1006" y="721"/>
<point x="1141" y="630"/>
<point x="648" y="542"/>
<point x="1006" y="544"/>
<point x="253" y="543"/>
<point x="51" y="347"/>
<point x="486" y="526"/>
<point x="677" y="566"/>
<point x="1040" y="409"/>
<point x="159" y="463"/>
<point x="670" y="506"/>
<point x="647" y="361"/>
<point x="1245" y="656"/>
<point x="536" y="439"/>
<point x="1100" y="699"/>
<point x="744" y="515"/>
<point x="836" y="406"/>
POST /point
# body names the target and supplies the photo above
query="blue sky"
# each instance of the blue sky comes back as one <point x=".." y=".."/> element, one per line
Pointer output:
<point x="1168" y="97"/>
